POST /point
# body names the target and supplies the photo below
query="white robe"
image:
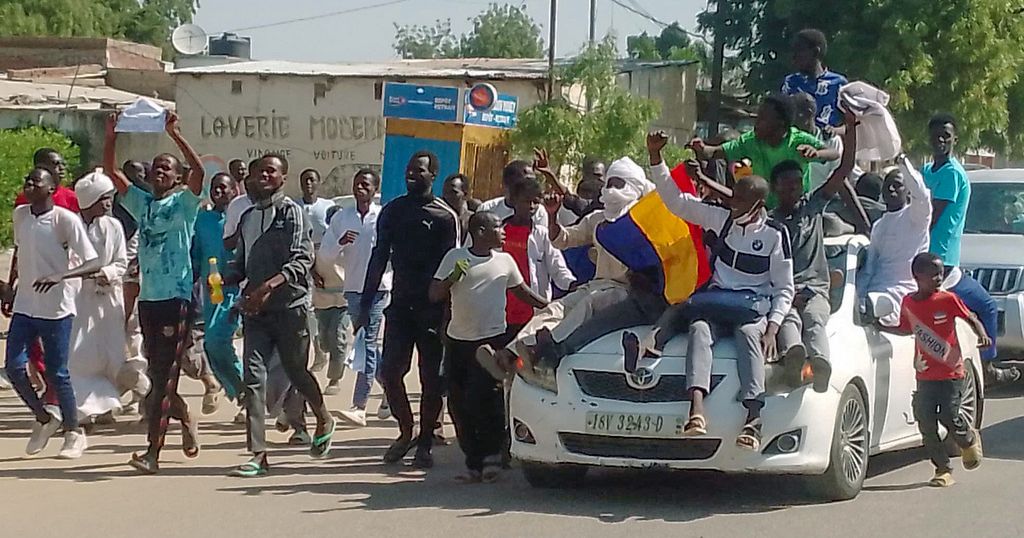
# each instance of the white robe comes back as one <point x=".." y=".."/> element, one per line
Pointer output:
<point x="97" y="351"/>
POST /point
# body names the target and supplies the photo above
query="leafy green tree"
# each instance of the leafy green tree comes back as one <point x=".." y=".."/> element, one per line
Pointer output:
<point x="502" y="31"/>
<point x="423" y="42"/>
<point x="615" y="126"/>
<point x="142" y="21"/>
<point x="960" y="56"/>
<point x="17" y="146"/>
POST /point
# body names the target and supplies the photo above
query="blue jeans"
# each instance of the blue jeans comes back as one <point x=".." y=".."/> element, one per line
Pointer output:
<point x="221" y="324"/>
<point x="56" y="336"/>
<point x="977" y="299"/>
<point x="364" y="380"/>
<point x="332" y="336"/>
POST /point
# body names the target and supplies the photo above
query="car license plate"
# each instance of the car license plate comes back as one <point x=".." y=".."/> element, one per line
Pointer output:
<point x="637" y="424"/>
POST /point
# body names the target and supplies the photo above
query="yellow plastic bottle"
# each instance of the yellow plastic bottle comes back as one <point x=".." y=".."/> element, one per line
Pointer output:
<point x="216" y="283"/>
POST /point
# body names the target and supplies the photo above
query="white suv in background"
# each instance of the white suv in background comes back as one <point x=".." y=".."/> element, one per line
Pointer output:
<point x="993" y="250"/>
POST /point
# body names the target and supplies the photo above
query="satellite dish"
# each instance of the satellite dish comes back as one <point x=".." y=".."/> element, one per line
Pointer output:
<point x="189" y="39"/>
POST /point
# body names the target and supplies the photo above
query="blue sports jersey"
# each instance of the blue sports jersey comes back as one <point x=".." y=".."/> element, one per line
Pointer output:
<point x="824" y="89"/>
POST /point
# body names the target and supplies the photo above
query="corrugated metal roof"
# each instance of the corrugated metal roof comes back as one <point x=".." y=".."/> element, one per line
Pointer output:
<point x="38" y="95"/>
<point x="478" y="68"/>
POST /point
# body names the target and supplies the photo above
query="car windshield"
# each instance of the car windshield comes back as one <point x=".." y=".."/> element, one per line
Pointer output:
<point x="996" y="208"/>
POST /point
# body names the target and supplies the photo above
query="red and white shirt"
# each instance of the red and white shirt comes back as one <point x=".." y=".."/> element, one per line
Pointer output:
<point x="932" y="321"/>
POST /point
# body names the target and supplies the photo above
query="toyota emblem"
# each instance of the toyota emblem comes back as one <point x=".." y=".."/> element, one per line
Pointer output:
<point x="642" y="378"/>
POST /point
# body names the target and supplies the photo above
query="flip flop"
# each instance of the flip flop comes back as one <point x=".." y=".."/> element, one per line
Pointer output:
<point x="696" y="425"/>
<point x="250" y="469"/>
<point x="398" y="450"/>
<point x="321" y="444"/>
<point x="144" y="464"/>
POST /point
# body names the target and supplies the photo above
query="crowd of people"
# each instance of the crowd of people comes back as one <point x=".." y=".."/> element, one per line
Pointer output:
<point x="477" y="290"/>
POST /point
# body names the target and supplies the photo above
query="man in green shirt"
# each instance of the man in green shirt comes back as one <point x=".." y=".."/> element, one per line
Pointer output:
<point x="774" y="140"/>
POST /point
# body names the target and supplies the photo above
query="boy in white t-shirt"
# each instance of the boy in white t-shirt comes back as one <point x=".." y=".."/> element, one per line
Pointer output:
<point x="476" y="280"/>
<point x="44" y="306"/>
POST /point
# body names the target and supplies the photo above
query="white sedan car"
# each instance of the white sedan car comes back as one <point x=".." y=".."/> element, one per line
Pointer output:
<point x="590" y="413"/>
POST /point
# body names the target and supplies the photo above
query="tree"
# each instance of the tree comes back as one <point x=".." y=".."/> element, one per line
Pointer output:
<point x="673" y="43"/>
<point x="502" y="31"/>
<point x="615" y="126"/>
<point x="142" y="21"/>
<point x="960" y="56"/>
<point x="426" y="42"/>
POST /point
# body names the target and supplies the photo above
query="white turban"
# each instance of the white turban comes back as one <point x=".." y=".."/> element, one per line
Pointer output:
<point x="618" y="201"/>
<point x="92" y="187"/>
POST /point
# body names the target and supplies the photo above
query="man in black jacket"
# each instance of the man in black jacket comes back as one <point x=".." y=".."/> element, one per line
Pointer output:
<point x="414" y="232"/>
<point x="275" y="255"/>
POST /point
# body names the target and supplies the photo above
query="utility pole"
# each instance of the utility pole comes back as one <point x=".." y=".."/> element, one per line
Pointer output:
<point x="717" y="66"/>
<point x="593" y="21"/>
<point x="551" y="49"/>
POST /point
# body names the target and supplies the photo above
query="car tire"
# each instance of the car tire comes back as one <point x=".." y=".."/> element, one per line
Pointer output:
<point x="554" y="476"/>
<point x="972" y="406"/>
<point x="848" y="457"/>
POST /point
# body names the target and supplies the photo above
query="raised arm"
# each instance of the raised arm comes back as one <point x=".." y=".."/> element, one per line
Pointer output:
<point x="195" y="166"/>
<point x="121" y="182"/>
<point x="922" y="206"/>
<point x="684" y="205"/>
<point x="703" y="151"/>
<point x="839" y="181"/>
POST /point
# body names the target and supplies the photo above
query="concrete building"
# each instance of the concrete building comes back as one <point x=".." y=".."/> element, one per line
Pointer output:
<point x="328" y="116"/>
<point x="79" y="111"/>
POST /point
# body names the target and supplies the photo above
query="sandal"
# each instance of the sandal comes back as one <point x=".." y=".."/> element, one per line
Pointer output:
<point x="468" y="477"/>
<point x="399" y="449"/>
<point x="696" y="425"/>
<point x="300" y="438"/>
<point x="251" y="469"/>
<point x="492" y="470"/>
<point x="321" y="444"/>
<point x="750" y="436"/>
<point x="144" y="463"/>
<point x="190" y="439"/>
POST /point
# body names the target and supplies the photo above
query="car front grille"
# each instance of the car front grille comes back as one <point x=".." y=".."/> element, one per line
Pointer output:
<point x="644" y="448"/>
<point x="613" y="386"/>
<point x="998" y="280"/>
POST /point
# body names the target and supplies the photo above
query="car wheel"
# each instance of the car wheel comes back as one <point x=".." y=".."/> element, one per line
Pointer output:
<point x="554" y="476"/>
<point x="972" y="405"/>
<point x="848" y="458"/>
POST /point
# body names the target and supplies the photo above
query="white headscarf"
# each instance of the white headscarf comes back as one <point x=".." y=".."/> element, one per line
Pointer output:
<point x="618" y="201"/>
<point x="92" y="187"/>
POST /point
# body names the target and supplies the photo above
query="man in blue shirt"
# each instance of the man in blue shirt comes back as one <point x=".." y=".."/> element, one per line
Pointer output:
<point x="812" y="78"/>
<point x="947" y="180"/>
<point x="166" y="218"/>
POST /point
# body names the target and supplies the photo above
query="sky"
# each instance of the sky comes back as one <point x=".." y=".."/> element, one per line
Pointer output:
<point x="368" y="35"/>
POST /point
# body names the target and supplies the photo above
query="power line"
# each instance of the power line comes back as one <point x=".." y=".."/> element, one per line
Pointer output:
<point x="320" y="16"/>
<point x="655" y="20"/>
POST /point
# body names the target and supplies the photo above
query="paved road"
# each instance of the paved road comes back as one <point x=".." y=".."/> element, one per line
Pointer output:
<point x="353" y="494"/>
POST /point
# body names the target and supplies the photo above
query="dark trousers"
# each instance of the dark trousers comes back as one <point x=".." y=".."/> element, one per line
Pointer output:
<point x="55" y="334"/>
<point x="476" y="402"/>
<point x="287" y="332"/>
<point x="938" y="402"/>
<point x="408" y="327"/>
<point x="165" y="334"/>
<point x="638" y="308"/>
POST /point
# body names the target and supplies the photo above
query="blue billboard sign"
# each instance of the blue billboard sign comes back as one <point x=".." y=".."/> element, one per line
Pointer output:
<point x="416" y="102"/>
<point x="502" y="113"/>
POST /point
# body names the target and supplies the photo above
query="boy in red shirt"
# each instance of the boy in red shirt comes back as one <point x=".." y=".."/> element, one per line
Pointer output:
<point x="930" y="315"/>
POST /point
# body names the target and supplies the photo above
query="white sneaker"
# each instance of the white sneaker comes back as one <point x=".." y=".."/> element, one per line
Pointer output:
<point x="384" y="411"/>
<point x="74" y="444"/>
<point x="41" y="434"/>
<point x="354" y="416"/>
<point x="5" y="383"/>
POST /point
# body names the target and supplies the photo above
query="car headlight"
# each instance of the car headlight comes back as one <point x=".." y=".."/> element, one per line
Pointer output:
<point x="540" y="376"/>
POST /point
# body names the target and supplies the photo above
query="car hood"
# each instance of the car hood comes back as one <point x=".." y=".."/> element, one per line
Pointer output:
<point x="611" y="344"/>
<point x="985" y="250"/>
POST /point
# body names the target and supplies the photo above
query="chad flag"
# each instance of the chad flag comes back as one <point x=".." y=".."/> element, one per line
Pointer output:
<point x="652" y="239"/>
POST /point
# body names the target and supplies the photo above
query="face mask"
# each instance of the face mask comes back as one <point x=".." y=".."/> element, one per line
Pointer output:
<point x="616" y="202"/>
